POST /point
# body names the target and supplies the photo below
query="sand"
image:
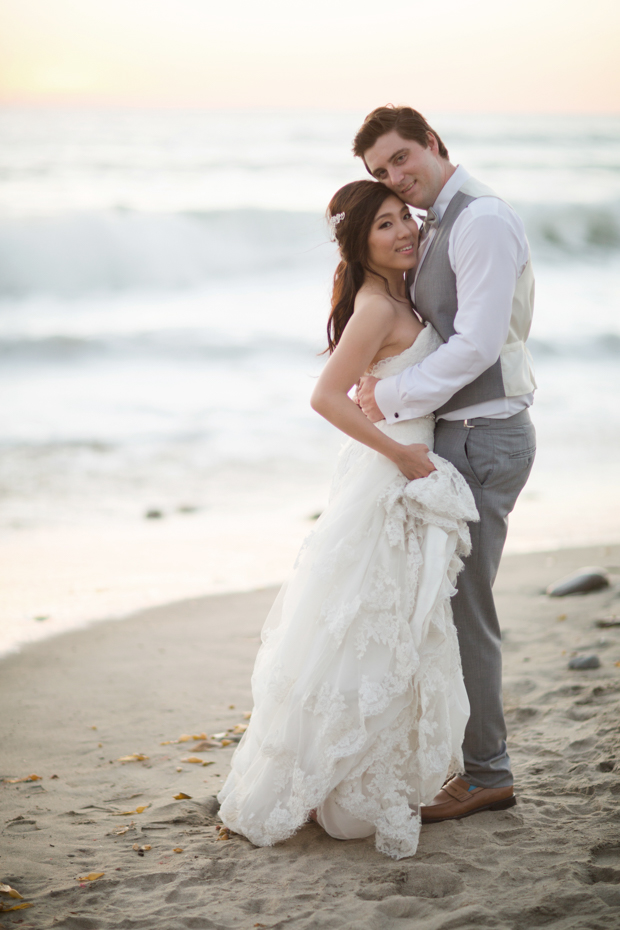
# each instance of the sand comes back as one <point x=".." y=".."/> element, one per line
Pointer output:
<point x="73" y="705"/>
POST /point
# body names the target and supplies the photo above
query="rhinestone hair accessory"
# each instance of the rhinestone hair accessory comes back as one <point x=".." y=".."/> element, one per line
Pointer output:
<point x="333" y="222"/>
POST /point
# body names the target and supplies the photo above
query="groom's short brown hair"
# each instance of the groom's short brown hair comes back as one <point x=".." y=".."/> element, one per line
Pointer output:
<point x="408" y="123"/>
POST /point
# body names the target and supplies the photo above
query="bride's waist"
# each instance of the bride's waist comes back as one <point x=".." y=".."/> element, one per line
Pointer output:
<point x="419" y="429"/>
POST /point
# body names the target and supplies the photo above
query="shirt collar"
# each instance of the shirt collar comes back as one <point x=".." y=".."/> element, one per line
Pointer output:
<point x="448" y="191"/>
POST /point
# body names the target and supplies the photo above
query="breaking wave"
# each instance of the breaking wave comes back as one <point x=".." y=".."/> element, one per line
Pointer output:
<point x="120" y="250"/>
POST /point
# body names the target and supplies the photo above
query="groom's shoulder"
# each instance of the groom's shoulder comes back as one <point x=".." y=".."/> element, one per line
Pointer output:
<point x="486" y="202"/>
<point x="487" y="219"/>
<point x="475" y="188"/>
<point x="484" y="198"/>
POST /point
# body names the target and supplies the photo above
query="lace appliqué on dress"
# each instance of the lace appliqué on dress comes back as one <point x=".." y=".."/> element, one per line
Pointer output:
<point x="360" y="706"/>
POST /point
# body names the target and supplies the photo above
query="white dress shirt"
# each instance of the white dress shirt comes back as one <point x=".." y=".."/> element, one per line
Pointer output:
<point x="487" y="250"/>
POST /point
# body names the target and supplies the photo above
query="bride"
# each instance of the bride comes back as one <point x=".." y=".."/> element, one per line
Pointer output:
<point x="359" y="703"/>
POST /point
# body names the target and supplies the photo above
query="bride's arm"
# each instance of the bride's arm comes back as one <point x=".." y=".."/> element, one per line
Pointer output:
<point x="365" y="334"/>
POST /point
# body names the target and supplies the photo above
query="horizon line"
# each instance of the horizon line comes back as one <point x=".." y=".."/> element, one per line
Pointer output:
<point x="102" y="104"/>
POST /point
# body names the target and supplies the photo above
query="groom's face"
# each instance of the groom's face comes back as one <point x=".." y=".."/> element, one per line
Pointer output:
<point x="414" y="173"/>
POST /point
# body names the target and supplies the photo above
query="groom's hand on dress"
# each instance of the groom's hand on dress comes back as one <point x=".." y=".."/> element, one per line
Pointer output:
<point x="366" y="398"/>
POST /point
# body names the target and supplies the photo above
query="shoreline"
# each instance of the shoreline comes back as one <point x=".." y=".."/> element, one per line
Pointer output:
<point x="58" y="578"/>
<point x="78" y="703"/>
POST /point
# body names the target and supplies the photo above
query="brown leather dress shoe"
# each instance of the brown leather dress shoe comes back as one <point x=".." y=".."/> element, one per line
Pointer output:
<point x="455" y="800"/>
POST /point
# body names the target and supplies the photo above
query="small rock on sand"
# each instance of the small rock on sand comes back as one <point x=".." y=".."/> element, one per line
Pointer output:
<point x="584" y="662"/>
<point x="582" y="581"/>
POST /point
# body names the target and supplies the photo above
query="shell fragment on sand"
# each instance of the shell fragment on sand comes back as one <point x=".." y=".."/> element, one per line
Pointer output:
<point x="606" y="623"/>
<point x="184" y="738"/>
<point x="580" y="663"/>
<point x="583" y="581"/>
<point x="16" y="781"/>
<point x="12" y="893"/>
<point x="203" y="742"/>
<point x="138" y="810"/>
<point x="206" y="744"/>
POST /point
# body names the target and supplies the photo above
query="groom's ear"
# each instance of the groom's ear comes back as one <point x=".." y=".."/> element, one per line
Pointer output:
<point x="433" y="144"/>
<point x="436" y="146"/>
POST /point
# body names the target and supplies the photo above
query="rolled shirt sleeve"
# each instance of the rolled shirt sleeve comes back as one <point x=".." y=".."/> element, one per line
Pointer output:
<point x="487" y="253"/>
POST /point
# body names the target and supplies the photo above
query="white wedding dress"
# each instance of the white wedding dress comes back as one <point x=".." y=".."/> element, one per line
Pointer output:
<point x="359" y="702"/>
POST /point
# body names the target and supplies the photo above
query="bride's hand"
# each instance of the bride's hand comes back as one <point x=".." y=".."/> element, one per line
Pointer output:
<point x="414" y="462"/>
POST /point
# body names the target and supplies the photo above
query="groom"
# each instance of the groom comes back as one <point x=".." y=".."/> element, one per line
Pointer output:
<point x="474" y="283"/>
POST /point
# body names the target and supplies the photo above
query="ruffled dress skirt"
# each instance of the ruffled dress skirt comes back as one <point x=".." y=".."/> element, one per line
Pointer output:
<point x="359" y="702"/>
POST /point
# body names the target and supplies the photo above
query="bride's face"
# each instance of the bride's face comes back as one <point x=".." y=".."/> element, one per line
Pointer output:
<point x="393" y="238"/>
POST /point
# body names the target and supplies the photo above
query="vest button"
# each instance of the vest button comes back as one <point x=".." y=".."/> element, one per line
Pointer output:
<point x="396" y="415"/>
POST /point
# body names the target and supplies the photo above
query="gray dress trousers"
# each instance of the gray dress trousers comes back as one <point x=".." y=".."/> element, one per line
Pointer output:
<point x="495" y="457"/>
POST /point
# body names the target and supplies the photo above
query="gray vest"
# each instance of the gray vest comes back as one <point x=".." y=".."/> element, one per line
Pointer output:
<point x="436" y="301"/>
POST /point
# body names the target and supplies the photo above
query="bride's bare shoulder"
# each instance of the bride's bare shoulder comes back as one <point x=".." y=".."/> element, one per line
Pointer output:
<point x="368" y="301"/>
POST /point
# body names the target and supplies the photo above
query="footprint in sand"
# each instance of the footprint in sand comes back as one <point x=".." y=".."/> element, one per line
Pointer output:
<point x="606" y="864"/>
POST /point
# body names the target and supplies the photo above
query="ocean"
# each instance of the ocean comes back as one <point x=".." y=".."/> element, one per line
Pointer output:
<point x="164" y="289"/>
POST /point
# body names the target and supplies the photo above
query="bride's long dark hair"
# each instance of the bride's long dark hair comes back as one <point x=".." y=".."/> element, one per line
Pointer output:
<point x="360" y="202"/>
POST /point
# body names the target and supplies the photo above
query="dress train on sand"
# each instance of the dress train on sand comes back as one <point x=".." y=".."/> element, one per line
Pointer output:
<point x="359" y="702"/>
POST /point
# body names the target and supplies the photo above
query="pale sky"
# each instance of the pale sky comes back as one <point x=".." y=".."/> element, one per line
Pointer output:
<point x="457" y="55"/>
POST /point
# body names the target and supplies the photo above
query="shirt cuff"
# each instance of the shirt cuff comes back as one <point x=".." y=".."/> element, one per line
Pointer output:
<point x="389" y="402"/>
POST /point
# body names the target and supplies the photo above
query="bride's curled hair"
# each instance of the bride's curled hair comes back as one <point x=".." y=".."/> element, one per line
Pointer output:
<point x="359" y="201"/>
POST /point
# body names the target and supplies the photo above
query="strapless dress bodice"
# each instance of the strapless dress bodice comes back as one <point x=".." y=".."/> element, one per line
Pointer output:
<point x="418" y="429"/>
